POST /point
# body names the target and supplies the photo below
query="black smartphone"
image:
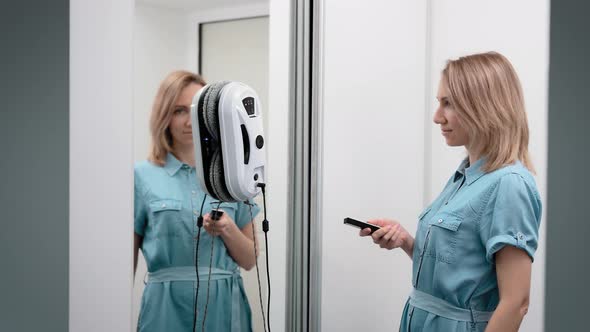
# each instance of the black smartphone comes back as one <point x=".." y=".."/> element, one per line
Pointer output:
<point x="360" y="224"/>
<point x="216" y="214"/>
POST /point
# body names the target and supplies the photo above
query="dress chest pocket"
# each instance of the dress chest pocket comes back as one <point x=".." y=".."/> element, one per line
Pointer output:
<point x="444" y="236"/>
<point x="165" y="217"/>
<point x="422" y="223"/>
<point x="421" y="232"/>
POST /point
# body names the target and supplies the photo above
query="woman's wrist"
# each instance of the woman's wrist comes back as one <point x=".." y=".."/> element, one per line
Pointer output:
<point x="229" y="230"/>
<point x="408" y="246"/>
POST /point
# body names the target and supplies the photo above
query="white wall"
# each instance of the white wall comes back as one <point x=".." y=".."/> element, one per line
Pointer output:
<point x="101" y="159"/>
<point x="382" y="154"/>
<point x="462" y="27"/>
<point x="373" y="155"/>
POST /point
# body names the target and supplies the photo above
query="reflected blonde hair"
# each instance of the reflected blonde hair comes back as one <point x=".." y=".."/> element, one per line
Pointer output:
<point x="485" y="91"/>
<point x="162" y="110"/>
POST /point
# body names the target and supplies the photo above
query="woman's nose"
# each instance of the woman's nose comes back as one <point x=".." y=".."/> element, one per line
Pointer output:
<point x="438" y="117"/>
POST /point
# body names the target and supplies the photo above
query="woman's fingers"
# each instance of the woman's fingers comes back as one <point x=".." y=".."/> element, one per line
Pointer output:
<point x="380" y="222"/>
<point x="401" y="238"/>
<point x="389" y="236"/>
<point x="390" y="233"/>
<point x="210" y="228"/>
<point x="365" y="232"/>
<point x="388" y="241"/>
<point x="395" y="235"/>
<point x="378" y="234"/>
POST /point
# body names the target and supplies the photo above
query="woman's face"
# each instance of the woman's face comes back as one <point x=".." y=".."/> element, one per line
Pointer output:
<point x="448" y="119"/>
<point x="180" y="124"/>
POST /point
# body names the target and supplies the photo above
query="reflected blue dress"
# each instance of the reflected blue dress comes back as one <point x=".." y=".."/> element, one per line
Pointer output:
<point x="167" y="203"/>
<point x="476" y="215"/>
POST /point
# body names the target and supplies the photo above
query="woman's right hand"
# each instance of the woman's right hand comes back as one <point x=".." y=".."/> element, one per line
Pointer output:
<point x="391" y="235"/>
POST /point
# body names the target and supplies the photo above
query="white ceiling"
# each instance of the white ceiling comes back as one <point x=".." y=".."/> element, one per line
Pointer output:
<point x="199" y="4"/>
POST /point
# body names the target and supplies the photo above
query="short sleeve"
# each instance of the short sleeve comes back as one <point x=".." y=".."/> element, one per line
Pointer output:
<point x="511" y="217"/>
<point x="246" y="213"/>
<point x="139" y="207"/>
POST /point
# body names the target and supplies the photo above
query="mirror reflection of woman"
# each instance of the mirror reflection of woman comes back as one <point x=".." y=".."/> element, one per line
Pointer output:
<point x="168" y="201"/>
<point x="475" y="243"/>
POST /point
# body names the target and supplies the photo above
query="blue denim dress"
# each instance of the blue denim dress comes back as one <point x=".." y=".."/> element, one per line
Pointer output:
<point x="477" y="214"/>
<point x="167" y="203"/>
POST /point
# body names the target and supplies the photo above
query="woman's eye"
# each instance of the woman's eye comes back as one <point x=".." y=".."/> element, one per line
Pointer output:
<point x="179" y="110"/>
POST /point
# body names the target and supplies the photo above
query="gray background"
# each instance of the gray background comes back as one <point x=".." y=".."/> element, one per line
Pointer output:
<point x="34" y="37"/>
<point x="568" y="222"/>
<point x="34" y="157"/>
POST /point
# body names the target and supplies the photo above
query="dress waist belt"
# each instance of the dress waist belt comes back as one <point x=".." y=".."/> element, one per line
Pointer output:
<point x="187" y="273"/>
<point x="443" y="308"/>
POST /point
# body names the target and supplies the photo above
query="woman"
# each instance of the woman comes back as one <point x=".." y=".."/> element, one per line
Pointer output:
<point x="168" y="201"/>
<point x="475" y="243"/>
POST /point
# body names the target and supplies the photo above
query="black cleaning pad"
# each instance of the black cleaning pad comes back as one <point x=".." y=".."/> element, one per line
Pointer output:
<point x="210" y="108"/>
<point x="217" y="178"/>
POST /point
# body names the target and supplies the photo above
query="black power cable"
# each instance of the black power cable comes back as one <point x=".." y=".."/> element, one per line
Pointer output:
<point x="257" y="268"/>
<point x="199" y="226"/>
<point x="265" y="228"/>
<point x="215" y="215"/>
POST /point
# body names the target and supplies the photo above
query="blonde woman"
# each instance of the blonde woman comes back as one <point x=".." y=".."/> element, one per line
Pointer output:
<point x="475" y="243"/>
<point x="168" y="201"/>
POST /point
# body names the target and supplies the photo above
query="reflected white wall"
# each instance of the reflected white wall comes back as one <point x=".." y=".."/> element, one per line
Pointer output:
<point x="160" y="45"/>
<point x="166" y="40"/>
<point x="220" y="61"/>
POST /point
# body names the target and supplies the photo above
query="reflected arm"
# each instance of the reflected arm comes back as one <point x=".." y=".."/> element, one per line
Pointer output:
<point x="240" y="244"/>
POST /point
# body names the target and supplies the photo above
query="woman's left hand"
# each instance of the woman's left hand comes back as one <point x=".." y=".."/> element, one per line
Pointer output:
<point x="218" y="227"/>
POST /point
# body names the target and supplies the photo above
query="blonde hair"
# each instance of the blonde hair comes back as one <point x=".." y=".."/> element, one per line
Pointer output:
<point x="485" y="91"/>
<point x="162" y="110"/>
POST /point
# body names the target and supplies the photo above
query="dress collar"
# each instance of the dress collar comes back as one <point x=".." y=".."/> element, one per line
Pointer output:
<point x="172" y="164"/>
<point x="471" y="172"/>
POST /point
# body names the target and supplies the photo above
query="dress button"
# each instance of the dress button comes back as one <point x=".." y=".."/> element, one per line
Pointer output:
<point x="440" y="220"/>
<point x="164" y="205"/>
<point x="521" y="236"/>
<point x="194" y="192"/>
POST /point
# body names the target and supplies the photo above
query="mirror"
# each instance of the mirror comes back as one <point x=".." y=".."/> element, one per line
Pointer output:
<point x="219" y="41"/>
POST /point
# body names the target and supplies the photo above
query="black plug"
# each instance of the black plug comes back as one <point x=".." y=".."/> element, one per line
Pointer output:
<point x="265" y="221"/>
<point x="200" y="221"/>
